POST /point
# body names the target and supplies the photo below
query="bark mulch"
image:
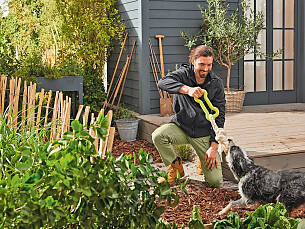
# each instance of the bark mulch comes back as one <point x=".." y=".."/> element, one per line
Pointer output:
<point x="210" y="200"/>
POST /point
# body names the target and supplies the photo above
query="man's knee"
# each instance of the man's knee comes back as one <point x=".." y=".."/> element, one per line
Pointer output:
<point x="161" y="135"/>
<point x="156" y="136"/>
<point x="214" y="182"/>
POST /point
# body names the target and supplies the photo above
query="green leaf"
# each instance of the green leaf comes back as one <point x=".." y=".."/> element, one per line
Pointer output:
<point x="49" y="201"/>
<point x="15" y="181"/>
<point x="24" y="166"/>
<point x="283" y="222"/>
<point x="165" y="190"/>
<point x="76" y="126"/>
<point x="26" y="151"/>
<point x="134" y="170"/>
<point x="86" y="191"/>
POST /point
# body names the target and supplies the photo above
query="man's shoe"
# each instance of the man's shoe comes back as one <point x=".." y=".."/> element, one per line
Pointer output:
<point x="172" y="169"/>
<point x="199" y="168"/>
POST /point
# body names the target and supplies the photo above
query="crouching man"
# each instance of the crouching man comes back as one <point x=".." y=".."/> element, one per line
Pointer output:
<point x="189" y="125"/>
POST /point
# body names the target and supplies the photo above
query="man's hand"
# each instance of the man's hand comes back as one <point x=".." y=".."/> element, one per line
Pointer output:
<point x="196" y="92"/>
<point x="210" y="158"/>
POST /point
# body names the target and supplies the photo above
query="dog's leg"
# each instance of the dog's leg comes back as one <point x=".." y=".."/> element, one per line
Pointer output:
<point x="240" y="202"/>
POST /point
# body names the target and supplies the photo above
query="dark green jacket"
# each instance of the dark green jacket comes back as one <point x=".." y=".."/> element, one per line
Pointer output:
<point x="188" y="114"/>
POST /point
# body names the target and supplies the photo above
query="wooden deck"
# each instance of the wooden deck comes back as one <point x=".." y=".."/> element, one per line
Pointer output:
<point x="274" y="136"/>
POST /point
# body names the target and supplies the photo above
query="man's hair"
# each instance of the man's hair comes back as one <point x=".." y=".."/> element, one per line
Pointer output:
<point x="201" y="50"/>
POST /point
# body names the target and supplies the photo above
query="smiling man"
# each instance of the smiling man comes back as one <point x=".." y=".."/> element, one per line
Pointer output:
<point x="189" y="125"/>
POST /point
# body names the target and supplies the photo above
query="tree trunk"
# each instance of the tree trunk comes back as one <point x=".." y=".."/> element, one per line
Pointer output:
<point x="228" y="76"/>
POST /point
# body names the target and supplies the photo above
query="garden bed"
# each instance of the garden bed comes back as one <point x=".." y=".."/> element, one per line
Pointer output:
<point x="210" y="200"/>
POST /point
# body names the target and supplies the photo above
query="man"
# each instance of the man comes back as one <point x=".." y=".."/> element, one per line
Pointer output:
<point x="189" y="125"/>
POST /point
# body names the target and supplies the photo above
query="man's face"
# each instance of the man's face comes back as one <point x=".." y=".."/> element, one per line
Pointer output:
<point x="202" y="66"/>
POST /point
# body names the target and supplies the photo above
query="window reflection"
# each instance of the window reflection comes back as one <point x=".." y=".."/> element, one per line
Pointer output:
<point x="277" y="13"/>
<point x="289" y="75"/>
<point x="249" y="76"/>
<point x="277" y="75"/>
<point x="289" y="44"/>
<point x="277" y="42"/>
<point x="261" y="84"/>
<point x="289" y="13"/>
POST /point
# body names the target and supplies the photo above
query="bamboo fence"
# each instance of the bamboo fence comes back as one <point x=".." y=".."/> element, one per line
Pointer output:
<point x="58" y="116"/>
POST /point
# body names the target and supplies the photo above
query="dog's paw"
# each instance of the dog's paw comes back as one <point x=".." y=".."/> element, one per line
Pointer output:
<point x="224" y="211"/>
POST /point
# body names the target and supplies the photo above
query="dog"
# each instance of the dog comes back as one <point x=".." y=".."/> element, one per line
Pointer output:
<point x="258" y="184"/>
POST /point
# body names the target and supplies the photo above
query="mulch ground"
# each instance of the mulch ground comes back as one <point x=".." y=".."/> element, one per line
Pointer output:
<point x="210" y="200"/>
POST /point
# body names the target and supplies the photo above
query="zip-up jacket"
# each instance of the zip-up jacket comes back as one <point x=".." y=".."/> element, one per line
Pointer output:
<point x="188" y="114"/>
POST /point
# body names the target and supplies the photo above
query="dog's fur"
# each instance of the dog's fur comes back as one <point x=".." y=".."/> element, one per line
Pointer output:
<point x="258" y="184"/>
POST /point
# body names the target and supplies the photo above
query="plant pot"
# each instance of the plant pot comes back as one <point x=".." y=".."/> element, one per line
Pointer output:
<point x="234" y="100"/>
<point x="128" y="128"/>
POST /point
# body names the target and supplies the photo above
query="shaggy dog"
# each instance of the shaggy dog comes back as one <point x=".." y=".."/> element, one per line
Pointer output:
<point x="258" y="184"/>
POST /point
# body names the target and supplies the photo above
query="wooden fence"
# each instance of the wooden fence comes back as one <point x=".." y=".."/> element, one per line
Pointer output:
<point x="38" y="110"/>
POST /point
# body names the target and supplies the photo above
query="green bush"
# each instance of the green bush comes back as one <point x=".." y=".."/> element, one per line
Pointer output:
<point x="269" y="216"/>
<point x="63" y="185"/>
<point x="94" y="91"/>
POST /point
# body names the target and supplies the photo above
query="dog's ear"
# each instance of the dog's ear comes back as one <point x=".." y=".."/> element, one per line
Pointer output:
<point x="231" y="143"/>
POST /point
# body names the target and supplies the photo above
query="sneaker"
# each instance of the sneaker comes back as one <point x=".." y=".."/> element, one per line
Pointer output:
<point x="173" y="168"/>
<point x="198" y="168"/>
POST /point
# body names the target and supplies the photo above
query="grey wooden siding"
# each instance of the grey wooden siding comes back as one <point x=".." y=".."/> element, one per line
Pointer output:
<point x="300" y="55"/>
<point x="170" y="18"/>
<point x="144" y="19"/>
<point x="130" y="14"/>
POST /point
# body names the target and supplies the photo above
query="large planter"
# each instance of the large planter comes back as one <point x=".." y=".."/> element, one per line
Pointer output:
<point x="127" y="128"/>
<point x="234" y="100"/>
<point x="68" y="83"/>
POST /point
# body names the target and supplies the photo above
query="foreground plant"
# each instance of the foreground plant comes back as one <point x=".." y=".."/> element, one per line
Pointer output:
<point x="65" y="184"/>
<point x="271" y="216"/>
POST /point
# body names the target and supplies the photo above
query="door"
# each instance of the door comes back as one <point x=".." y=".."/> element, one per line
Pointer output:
<point x="270" y="81"/>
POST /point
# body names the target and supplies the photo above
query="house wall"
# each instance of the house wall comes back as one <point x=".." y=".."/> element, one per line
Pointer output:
<point x="144" y="19"/>
<point x="300" y="71"/>
<point x="170" y="18"/>
<point x="130" y="15"/>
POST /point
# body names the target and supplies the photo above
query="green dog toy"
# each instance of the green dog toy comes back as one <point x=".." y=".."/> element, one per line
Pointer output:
<point x="205" y="96"/>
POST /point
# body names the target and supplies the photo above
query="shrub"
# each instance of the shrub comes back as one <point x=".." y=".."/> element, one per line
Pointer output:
<point x="64" y="184"/>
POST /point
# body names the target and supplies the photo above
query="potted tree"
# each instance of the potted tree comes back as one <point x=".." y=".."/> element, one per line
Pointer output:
<point x="232" y="36"/>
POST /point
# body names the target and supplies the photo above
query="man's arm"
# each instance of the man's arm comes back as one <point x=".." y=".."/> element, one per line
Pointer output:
<point x="172" y="82"/>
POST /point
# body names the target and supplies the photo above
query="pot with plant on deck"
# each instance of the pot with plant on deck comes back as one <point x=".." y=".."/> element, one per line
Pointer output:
<point x="127" y="124"/>
<point x="231" y="36"/>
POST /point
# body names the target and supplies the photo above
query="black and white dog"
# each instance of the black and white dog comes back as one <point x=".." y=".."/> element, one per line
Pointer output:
<point x="258" y="184"/>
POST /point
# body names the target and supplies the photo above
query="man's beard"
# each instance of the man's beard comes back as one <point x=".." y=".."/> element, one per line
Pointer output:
<point x="202" y="74"/>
